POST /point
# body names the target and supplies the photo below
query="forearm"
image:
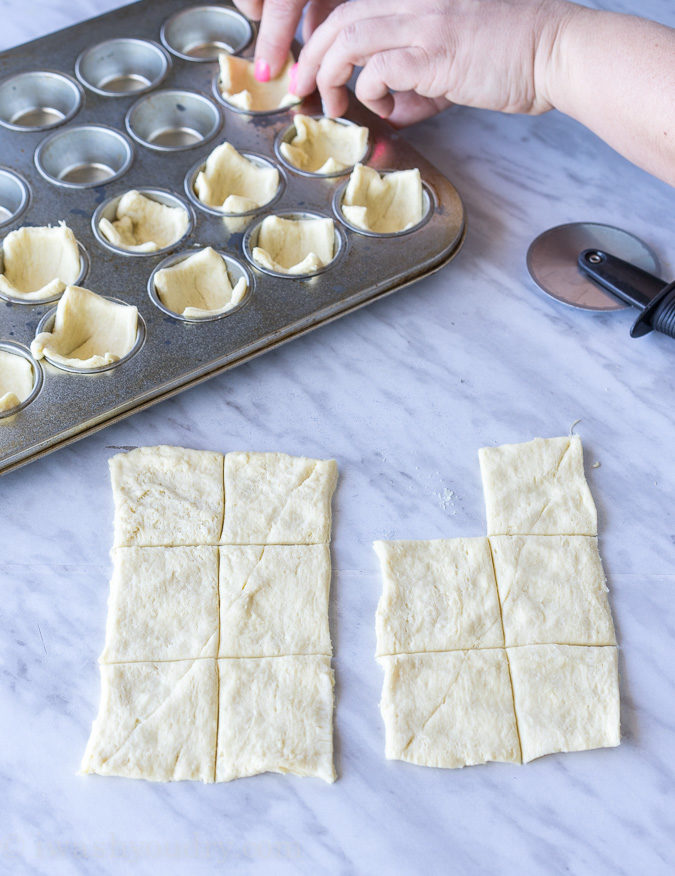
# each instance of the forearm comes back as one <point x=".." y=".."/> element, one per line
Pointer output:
<point x="616" y="75"/>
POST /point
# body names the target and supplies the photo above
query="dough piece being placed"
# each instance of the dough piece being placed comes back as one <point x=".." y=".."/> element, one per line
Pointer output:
<point x="156" y="721"/>
<point x="295" y="246"/>
<point x="567" y="698"/>
<point x="552" y="590"/>
<point x="89" y="331"/>
<point x="272" y="498"/>
<point x="537" y="488"/>
<point x="324" y="145"/>
<point x="16" y="380"/>
<point x="143" y="224"/>
<point x="199" y="286"/>
<point x="167" y="496"/>
<point x="163" y="604"/>
<point x="239" y="86"/>
<point x="233" y="183"/>
<point x="276" y="715"/>
<point x="274" y="600"/>
<point x="39" y="262"/>
<point x="384" y="203"/>
<point x="449" y="709"/>
<point x="438" y="596"/>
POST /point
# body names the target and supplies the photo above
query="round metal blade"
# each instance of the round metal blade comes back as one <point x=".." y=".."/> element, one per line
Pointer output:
<point x="552" y="262"/>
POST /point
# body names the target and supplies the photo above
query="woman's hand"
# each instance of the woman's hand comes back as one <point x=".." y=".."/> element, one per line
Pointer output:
<point x="418" y="58"/>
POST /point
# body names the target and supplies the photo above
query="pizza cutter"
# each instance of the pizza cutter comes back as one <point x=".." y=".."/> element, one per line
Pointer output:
<point x="602" y="268"/>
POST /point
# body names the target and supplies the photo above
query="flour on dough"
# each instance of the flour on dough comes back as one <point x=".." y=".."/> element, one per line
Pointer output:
<point x="142" y="224"/>
<point x="156" y="721"/>
<point x="274" y="600"/>
<point x="324" y="146"/>
<point x="450" y="709"/>
<point x="275" y="715"/>
<point x="383" y="203"/>
<point x="295" y="246"/>
<point x="89" y="331"/>
<point x="163" y="604"/>
<point x="437" y="595"/>
<point x="537" y="488"/>
<point x="238" y="85"/>
<point x="167" y="496"/>
<point x="273" y="498"/>
<point x="16" y="380"/>
<point x="552" y="590"/>
<point x="234" y="183"/>
<point x="567" y="698"/>
<point x="40" y="262"/>
<point x="199" y="286"/>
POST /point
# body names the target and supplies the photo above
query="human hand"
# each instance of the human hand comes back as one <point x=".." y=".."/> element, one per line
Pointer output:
<point x="278" y="22"/>
<point x="491" y="54"/>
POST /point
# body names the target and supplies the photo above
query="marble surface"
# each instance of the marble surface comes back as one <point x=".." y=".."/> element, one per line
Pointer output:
<point x="402" y="394"/>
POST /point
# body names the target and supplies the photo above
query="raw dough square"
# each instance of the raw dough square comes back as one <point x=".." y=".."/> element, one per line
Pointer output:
<point x="143" y="224"/>
<point x="156" y="721"/>
<point x="537" y="488"/>
<point x="238" y="85"/>
<point x="552" y="590"/>
<point x="272" y="498"/>
<point x="274" y="600"/>
<point x="567" y="698"/>
<point x="437" y="596"/>
<point x="199" y="286"/>
<point x="295" y="246"/>
<point x="39" y="262"/>
<point x="275" y="715"/>
<point x="449" y="709"/>
<point x="167" y="496"/>
<point x="163" y="604"/>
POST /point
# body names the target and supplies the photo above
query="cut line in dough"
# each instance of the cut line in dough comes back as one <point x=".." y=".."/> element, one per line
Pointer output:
<point x="142" y="224"/>
<point x="295" y="246"/>
<point x="89" y="331"/>
<point x="386" y="203"/>
<point x="233" y="183"/>
<point x="199" y="286"/>
<point x="16" y="380"/>
<point x="238" y="86"/>
<point x="39" y="262"/>
<point x="324" y="146"/>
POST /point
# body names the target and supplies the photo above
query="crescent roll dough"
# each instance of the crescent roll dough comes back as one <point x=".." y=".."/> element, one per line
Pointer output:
<point x="16" y="380"/>
<point x="295" y="246"/>
<point x="199" y="286"/>
<point x="233" y="183"/>
<point x="324" y="146"/>
<point x="144" y="225"/>
<point x="383" y="203"/>
<point x="39" y="262"/>
<point x="239" y="86"/>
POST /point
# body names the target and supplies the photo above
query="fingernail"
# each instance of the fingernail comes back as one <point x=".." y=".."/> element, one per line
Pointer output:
<point x="261" y="71"/>
<point x="293" y="78"/>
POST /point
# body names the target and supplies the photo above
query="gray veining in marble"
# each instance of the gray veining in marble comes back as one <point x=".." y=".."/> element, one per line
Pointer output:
<point x="402" y="394"/>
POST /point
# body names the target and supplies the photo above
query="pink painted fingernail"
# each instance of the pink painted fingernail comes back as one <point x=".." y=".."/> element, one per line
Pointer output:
<point x="262" y="71"/>
<point x="293" y="78"/>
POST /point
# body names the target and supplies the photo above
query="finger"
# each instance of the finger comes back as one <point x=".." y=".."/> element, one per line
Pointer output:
<point x="316" y="12"/>
<point x="251" y="8"/>
<point x="393" y="70"/>
<point x="277" y="28"/>
<point x="410" y="107"/>
<point x="344" y="16"/>
<point x="353" y="48"/>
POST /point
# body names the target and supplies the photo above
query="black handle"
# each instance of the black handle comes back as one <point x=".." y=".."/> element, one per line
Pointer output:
<point x="624" y="280"/>
<point x="659" y="315"/>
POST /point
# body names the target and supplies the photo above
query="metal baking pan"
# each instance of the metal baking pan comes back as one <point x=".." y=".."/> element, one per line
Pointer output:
<point x="126" y="90"/>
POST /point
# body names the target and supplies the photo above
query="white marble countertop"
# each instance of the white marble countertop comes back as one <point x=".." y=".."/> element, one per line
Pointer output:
<point x="402" y="393"/>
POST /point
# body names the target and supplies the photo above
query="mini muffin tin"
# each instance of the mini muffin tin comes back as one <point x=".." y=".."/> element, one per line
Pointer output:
<point x="129" y="100"/>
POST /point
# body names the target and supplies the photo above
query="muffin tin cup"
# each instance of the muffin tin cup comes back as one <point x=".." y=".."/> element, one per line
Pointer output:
<point x="235" y="269"/>
<point x="201" y="33"/>
<point x="261" y="161"/>
<point x="287" y="135"/>
<point x="270" y="113"/>
<point x="39" y="302"/>
<point x="250" y="241"/>
<point x="47" y="323"/>
<point x="173" y="120"/>
<point x="38" y="376"/>
<point x="84" y="156"/>
<point x="123" y="66"/>
<point x="14" y="196"/>
<point x="38" y="100"/>
<point x="430" y="204"/>
<point x="108" y="210"/>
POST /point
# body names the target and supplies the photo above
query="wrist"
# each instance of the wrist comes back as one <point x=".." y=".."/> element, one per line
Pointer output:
<point x="554" y="63"/>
